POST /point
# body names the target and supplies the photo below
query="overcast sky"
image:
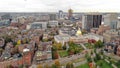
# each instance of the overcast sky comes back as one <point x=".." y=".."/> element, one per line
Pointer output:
<point x="55" y="5"/>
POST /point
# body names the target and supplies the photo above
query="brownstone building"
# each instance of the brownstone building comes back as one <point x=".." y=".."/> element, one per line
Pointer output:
<point x="26" y="59"/>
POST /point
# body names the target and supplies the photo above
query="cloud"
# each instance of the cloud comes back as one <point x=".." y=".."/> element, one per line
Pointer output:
<point x="55" y="5"/>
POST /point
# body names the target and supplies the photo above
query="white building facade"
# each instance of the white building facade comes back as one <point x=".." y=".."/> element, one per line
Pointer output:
<point x="53" y="23"/>
<point x="37" y="25"/>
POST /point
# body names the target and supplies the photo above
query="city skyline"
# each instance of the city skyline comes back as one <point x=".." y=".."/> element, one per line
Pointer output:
<point x="54" y="6"/>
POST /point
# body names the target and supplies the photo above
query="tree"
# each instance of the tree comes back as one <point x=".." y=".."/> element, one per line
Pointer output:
<point x="14" y="43"/>
<point x="14" y="50"/>
<point x="91" y="52"/>
<point x="47" y="66"/>
<point x="71" y="43"/>
<point x="98" y="57"/>
<point x="54" y="49"/>
<point x="64" y="47"/>
<point x="54" y="66"/>
<point x="88" y="58"/>
<point x="39" y="66"/>
<point x="45" y="40"/>
<point x="118" y="63"/>
<point x="69" y="65"/>
<point x="95" y="50"/>
<point x="8" y="39"/>
<point x="99" y="44"/>
<point x="20" y="66"/>
<point x="58" y="46"/>
<point x="77" y="50"/>
<point x="57" y="63"/>
<point x="100" y="63"/>
<point x="71" y="51"/>
<point x="55" y="55"/>
<point x="1" y="50"/>
<point x="9" y="66"/>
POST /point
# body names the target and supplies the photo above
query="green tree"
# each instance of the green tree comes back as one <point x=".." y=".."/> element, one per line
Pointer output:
<point x="99" y="44"/>
<point x="59" y="46"/>
<point x="98" y="57"/>
<point x="55" y="55"/>
<point x="94" y="50"/>
<point x="54" y="66"/>
<point x="8" y="39"/>
<point x="69" y="65"/>
<point x="71" y="51"/>
<point x="118" y="63"/>
<point x="100" y="63"/>
<point x="14" y="43"/>
<point x="20" y="66"/>
<point x="88" y="58"/>
<point x="45" y="40"/>
<point x="1" y="50"/>
<point x="64" y="47"/>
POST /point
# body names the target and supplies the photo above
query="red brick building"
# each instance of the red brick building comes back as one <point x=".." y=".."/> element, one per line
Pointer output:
<point x="26" y="59"/>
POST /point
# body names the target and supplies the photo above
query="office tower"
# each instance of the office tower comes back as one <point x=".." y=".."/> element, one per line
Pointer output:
<point x="70" y="13"/>
<point x="111" y="20"/>
<point x="118" y="24"/>
<point x="43" y="17"/>
<point x="60" y="15"/>
<point x="53" y="16"/>
<point x="91" y="21"/>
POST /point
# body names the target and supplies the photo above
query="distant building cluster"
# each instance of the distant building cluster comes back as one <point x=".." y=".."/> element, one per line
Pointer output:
<point x="28" y="38"/>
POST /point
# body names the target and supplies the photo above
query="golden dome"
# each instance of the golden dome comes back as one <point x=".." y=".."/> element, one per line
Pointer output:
<point x="78" y="33"/>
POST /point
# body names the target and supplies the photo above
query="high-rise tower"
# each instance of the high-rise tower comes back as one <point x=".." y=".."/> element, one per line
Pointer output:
<point x="91" y="21"/>
<point x="70" y="13"/>
<point x="111" y="20"/>
<point x="60" y="14"/>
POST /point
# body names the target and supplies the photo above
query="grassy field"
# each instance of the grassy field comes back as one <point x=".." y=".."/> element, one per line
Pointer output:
<point x="63" y="53"/>
<point x="83" y="66"/>
<point x="103" y="64"/>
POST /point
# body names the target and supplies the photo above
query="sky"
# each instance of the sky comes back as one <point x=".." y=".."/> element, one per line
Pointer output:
<point x="56" y="5"/>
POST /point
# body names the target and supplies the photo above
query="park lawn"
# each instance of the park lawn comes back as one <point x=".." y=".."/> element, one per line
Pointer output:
<point x="63" y="53"/>
<point x="104" y="64"/>
<point x="83" y="66"/>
